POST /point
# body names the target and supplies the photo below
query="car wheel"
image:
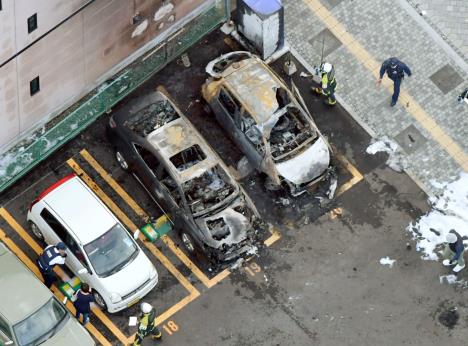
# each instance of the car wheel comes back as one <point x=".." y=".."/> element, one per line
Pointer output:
<point x="36" y="231"/>
<point x="188" y="242"/>
<point x="121" y="161"/>
<point x="99" y="300"/>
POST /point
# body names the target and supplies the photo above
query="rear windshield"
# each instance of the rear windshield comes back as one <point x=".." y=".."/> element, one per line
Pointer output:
<point x="152" y="117"/>
<point x="112" y="251"/>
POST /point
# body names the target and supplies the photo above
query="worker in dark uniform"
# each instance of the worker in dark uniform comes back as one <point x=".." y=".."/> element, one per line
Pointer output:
<point x="396" y="70"/>
<point x="50" y="257"/>
<point x="147" y="325"/>
<point x="327" y="83"/>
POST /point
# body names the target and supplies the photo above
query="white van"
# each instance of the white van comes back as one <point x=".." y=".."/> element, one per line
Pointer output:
<point x="100" y="250"/>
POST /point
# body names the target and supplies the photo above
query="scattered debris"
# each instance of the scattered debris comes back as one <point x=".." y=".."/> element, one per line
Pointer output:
<point x="140" y="28"/>
<point x="244" y="168"/>
<point x="449" y="211"/>
<point x="332" y="188"/>
<point x="396" y="159"/>
<point x="450" y="279"/>
<point x="449" y="317"/>
<point x="163" y="11"/>
<point x="185" y="60"/>
<point x="386" y="261"/>
<point x="283" y="201"/>
<point x="152" y="117"/>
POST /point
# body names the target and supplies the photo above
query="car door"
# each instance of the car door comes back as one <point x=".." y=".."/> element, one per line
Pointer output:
<point x="232" y="120"/>
<point x="76" y="260"/>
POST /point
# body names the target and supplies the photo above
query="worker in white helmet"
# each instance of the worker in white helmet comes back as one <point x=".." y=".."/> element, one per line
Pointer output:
<point x="328" y="83"/>
<point x="147" y="325"/>
<point x="454" y="251"/>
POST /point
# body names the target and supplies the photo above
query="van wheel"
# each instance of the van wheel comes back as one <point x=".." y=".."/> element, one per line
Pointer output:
<point x="36" y="231"/>
<point x="100" y="301"/>
<point x="188" y="242"/>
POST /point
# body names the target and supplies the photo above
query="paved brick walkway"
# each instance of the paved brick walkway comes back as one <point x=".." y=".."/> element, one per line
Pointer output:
<point x="359" y="35"/>
<point x="449" y="18"/>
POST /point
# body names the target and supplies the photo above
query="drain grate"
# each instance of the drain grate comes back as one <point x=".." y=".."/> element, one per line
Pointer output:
<point x="410" y="139"/>
<point x="326" y="39"/>
<point x="446" y="79"/>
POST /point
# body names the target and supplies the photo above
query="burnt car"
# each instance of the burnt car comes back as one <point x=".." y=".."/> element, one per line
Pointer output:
<point x="269" y="125"/>
<point x="185" y="177"/>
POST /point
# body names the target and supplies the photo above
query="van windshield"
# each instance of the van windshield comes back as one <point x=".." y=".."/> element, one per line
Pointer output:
<point x="111" y="251"/>
<point x="41" y="325"/>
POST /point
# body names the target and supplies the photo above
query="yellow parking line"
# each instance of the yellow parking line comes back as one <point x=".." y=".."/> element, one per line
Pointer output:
<point x="356" y="175"/>
<point x="140" y="212"/>
<point x="412" y="106"/>
<point x="32" y="266"/>
<point x="275" y="235"/>
<point x="151" y="247"/>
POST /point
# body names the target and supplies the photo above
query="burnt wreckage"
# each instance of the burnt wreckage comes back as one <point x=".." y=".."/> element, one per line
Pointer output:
<point x="183" y="174"/>
<point x="271" y="127"/>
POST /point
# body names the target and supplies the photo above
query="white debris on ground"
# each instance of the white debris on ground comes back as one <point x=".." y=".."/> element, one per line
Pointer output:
<point x="387" y="261"/>
<point x="163" y="11"/>
<point x="450" y="279"/>
<point x="331" y="190"/>
<point x="140" y="28"/>
<point x="396" y="159"/>
<point x="449" y="212"/>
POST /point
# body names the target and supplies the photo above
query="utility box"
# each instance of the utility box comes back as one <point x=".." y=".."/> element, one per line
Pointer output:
<point x="261" y="22"/>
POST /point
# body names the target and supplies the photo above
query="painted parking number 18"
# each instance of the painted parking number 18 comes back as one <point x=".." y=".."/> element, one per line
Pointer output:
<point x="252" y="268"/>
<point x="170" y="327"/>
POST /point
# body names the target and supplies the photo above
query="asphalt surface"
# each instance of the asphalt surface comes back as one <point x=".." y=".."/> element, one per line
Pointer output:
<point x="321" y="283"/>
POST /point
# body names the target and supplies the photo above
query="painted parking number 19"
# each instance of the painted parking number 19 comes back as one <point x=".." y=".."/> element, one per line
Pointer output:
<point x="252" y="268"/>
<point x="170" y="327"/>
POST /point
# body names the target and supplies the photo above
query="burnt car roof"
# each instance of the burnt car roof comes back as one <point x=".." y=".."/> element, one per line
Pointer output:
<point x="254" y="84"/>
<point x="176" y="136"/>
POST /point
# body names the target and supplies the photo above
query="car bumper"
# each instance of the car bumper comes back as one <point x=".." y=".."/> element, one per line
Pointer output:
<point x="134" y="298"/>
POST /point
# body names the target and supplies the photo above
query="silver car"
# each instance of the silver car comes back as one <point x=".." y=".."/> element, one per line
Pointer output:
<point x="29" y="313"/>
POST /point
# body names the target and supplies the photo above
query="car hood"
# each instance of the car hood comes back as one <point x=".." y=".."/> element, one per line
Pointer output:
<point x="227" y="227"/>
<point x="129" y="278"/>
<point x="71" y="334"/>
<point x="308" y="165"/>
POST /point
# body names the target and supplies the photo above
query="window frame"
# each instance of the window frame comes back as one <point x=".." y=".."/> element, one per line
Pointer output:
<point x="33" y="89"/>
<point x="63" y="229"/>
<point x="32" y="23"/>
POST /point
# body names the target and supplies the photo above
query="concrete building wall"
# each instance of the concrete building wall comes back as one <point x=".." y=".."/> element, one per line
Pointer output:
<point x="74" y="57"/>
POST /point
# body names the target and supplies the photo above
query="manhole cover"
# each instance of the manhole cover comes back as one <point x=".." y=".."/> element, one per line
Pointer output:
<point x="324" y="39"/>
<point x="410" y="139"/>
<point x="332" y="3"/>
<point x="446" y="79"/>
<point x="449" y="318"/>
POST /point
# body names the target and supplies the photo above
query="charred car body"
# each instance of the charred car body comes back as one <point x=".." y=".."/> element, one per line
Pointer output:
<point x="184" y="176"/>
<point x="266" y="121"/>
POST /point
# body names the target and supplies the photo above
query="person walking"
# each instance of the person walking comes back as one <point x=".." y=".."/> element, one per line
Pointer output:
<point x="395" y="70"/>
<point x="84" y="298"/>
<point x="454" y="251"/>
<point x="147" y="325"/>
<point x="51" y="256"/>
<point x="328" y="82"/>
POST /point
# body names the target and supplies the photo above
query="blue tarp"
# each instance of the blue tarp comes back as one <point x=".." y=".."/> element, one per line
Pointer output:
<point x="264" y="7"/>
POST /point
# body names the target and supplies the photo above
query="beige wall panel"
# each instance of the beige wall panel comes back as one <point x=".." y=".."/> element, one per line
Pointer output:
<point x="58" y="61"/>
<point x="109" y="28"/>
<point x="7" y="30"/>
<point x="49" y="14"/>
<point x="9" y="118"/>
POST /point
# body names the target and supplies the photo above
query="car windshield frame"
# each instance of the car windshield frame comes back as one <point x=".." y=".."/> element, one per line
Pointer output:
<point x="28" y="337"/>
<point x="95" y="252"/>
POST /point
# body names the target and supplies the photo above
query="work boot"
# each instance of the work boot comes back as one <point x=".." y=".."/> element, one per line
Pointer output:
<point x="458" y="267"/>
<point x="318" y="91"/>
<point x="331" y="102"/>
<point x="393" y="103"/>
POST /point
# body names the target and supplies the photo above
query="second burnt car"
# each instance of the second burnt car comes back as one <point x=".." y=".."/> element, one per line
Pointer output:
<point x="184" y="176"/>
<point x="266" y="121"/>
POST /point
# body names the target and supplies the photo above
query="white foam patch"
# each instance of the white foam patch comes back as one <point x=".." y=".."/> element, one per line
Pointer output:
<point x="387" y="261"/>
<point x="396" y="159"/>
<point x="449" y="212"/>
<point x="140" y="28"/>
<point x="450" y="279"/>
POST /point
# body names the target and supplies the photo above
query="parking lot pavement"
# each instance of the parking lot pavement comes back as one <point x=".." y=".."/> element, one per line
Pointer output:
<point x="317" y="279"/>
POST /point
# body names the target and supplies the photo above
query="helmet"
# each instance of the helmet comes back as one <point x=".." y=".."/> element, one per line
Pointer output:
<point x="326" y="67"/>
<point x="61" y="246"/>
<point x="146" y="308"/>
<point x="451" y="238"/>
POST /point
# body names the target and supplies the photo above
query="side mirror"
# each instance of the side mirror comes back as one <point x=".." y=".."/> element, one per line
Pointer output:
<point x="5" y="340"/>
<point x="83" y="271"/>
<point x="136" y="234"/>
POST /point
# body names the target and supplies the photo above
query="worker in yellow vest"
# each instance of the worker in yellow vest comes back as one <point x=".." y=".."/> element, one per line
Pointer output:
<point x="328" y="82"/>
<point x="147" y="325"/>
